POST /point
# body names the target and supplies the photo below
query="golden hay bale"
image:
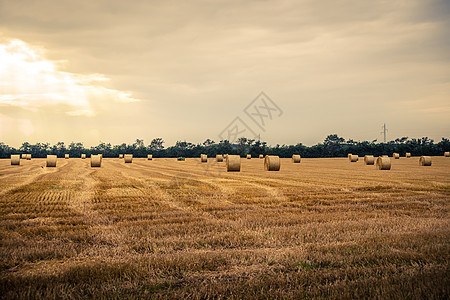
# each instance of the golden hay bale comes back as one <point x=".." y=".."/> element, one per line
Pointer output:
<point x="24" y="156"/>
<point x="369" y="160"/>
<point x="120" y="155"/>
<point x="383" y="163"/>
<point x="150" y="157"/>
<point x="83" y="156"/>
<point x="28" y="157"/>
<point x="447" y="154"/>
<point x="408" y="155"/>
<point x="261" y="156"/>
<point x="96" y="161"/>
<point x="349" y="156"/>
<point x="425" y="161"/>
<point x="354" y="158"/>
<point x="296" y="158"/>
<point x="233" y="163"/>
<point x="66" y="156"/>
<point x="396" y="155"/>
<point x="15" y="160"/>
<point x="272" y="163"/>
<point x="51" y="160"/>
<point x="219" y="158"/>
<point x="249" y="156"/>
<point x="203" y="158"/>
<point x="128" y="158"/>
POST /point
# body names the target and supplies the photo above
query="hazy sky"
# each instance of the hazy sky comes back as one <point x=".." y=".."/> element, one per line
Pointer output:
<point x="115" y="71"/>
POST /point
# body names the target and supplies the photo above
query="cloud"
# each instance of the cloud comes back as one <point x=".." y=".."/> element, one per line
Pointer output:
<point x="30" y="81"/>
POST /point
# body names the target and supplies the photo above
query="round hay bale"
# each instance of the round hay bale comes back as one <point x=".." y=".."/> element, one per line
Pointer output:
<point x="369" y="160"/>
<point x="66" y="156"/>
<point x="23" y="156"/>
<point x="408" y="155"/>
<point x="28" y="156"/>
<point x="296" y="158"/>
<point x="83" y="156"/>
<point x="51" y="160"/>
<point x="354" y="158"/>
<point x="219" y="158"/>
<point x="96" y="161"/>
<point x="128" y="158"/>
<point x="120" y="155"/>
<point x="383" y="163"/>
<point x="15" y="160"/>
<point x="249" y="156"/>
<point x="261" y="156"/>
<point x="150" y="157"/>
<point x="446" y="154"/>
<point x="272" y="163"/>
<point x="233" y="163"/>
<point x="425" y="161"/>
<point x="203" y="158"/>
<point x="396" y="155"/>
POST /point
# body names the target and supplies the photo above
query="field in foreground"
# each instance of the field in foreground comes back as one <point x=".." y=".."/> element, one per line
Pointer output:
<point x="163" y="228"/>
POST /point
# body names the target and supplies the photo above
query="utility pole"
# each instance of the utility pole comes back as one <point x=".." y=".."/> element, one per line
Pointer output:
<point x="384" y="131"/>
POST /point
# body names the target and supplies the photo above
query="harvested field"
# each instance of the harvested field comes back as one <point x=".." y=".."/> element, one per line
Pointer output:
<point x="322" y="228"/>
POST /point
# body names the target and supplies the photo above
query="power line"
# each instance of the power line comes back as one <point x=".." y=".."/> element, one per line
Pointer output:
<point x="384" y="132"/>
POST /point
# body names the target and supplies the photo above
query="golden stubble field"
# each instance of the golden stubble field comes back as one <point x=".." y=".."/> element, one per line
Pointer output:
<point x="170" y="229"/>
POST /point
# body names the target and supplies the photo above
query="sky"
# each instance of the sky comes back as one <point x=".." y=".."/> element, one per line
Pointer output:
<point x="285" y="71"/>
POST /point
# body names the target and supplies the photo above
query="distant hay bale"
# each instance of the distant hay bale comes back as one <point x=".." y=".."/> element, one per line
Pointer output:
<point x="83" y="156"/>
<point x="396" y="155"/>
<point x="51" y="160"/>
<point x="203" y="158"/>
<point x="383" y="163"/>
<point x="425" y="161"/>
<point x="249" y="156"/>
<point x="120" y="155"/>
<point x="369" y="160"/>
<point x="272" y="163"/>
<point x="96" y="161"/>
<point x="354" y="158"/>
<point x="261" y="156"/>
<point x="24" y="156"/>
<point x="219" y="158"/>
<point x="128" y="158"/>
<point x="408" y="155"/>
<point x="349" y="156"/>
<point x="233" y="163"/>
<point x="28" y="156"/>
<point x="15" y="160"/>
<point x="150" y="157"/>
<point x="446" y="154"/>
<point x="180" y="159"/>
<point x="296" y="158"/>
<point x="66" y="156"/>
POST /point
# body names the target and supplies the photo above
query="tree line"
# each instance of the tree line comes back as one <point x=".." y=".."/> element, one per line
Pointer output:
<point x="332" y="146"/>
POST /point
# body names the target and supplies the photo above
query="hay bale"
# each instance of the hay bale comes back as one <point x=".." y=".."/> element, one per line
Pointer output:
<point x="354" y="158"/>
<point x="28" y="156"/>
<point x="369" y="159"/>
<point x="396" y="155"/>
<point x="66" y="156"/>
<point x="272" y="163"/>
<point x="128" y="158"/>
<point x="96" y="161"/>
<point x="51" y="160"/>
<point x="425" y="161"/>
<point x="15" y="160"/>
<point x="203" y="158"/>
<point x="296" y="158"/>
<point x="83" y="156"/>
<point x="383" y="163"/>
<point x="233" y="163"/>
<point x="219" y="158"/>
<point x="180" y="158"/>
<point x="446" y="154"/>
<point x="120" y="155"/>
<point x="408" y="155"/>
<point x="261" y="156"/>
<point x="23" y="156"/>
<point x="150" y="157"/>
<point x="249" y="156"/>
